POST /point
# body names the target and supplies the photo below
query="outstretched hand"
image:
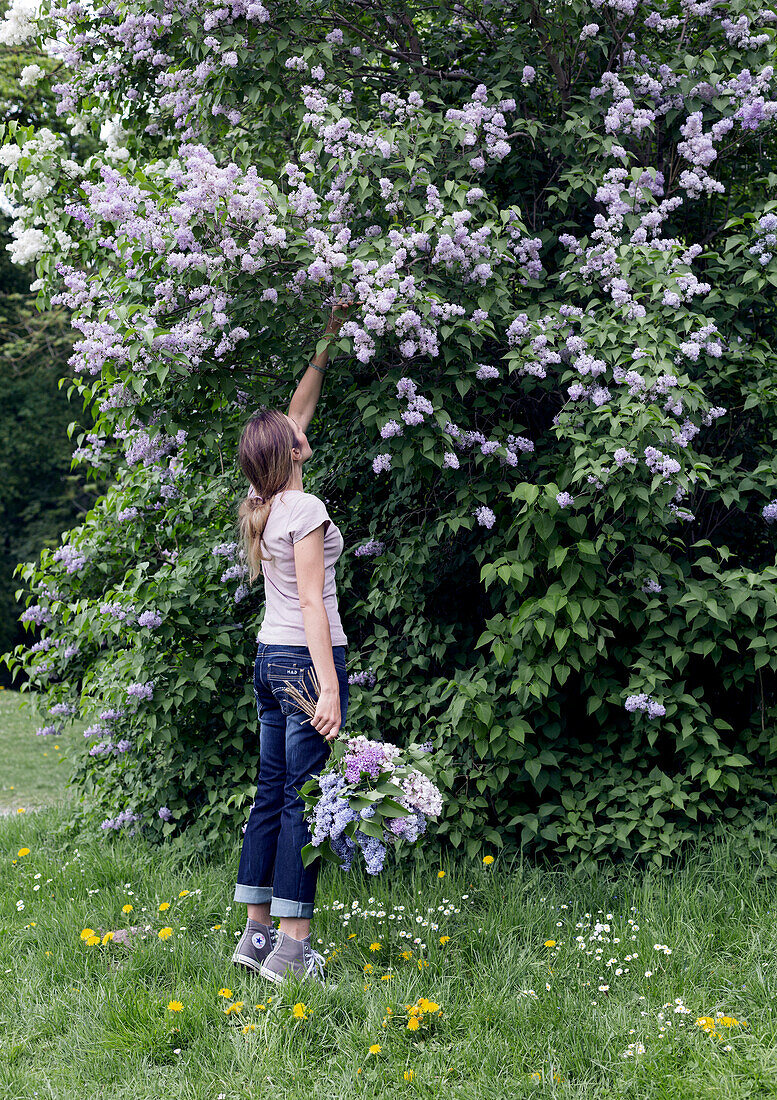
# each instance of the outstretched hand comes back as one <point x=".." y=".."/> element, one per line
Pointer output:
<point x="339" y="315"/>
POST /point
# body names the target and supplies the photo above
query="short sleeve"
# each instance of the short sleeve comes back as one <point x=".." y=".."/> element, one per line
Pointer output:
<point x="307" y="513"/>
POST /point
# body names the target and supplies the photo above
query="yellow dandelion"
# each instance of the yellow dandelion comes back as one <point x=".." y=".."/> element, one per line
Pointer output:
<point x="262" y="1008"/>
<point x="236" y="1007"/>
<point x="183" y="893"/>
<point x="225" y="992"/>
<point x="441" y="874"/>
<point x="728" y="1021"/>
<point x="126" y="908"/>
<point x="389" y="1010"/>
<point x="108" y="936"/>
<point x="428" y="1006"/>
<point x="92" y="940"/>
<point x="488" y="860"/>
<point x="300" y="1011"/>
<point x="165" y="933"/>
<point x="352" y="936"/>
<point x="368" y="968"/>
<point x="23" y="852"/>
<point x="164" y="905"/>
<point x="375" y="1048"/>
<point x="248" y="1027"/>
<point x="175" y="1006"/>
<point x="21" y="810"/>
<point x="549" y="943"/>
<point x="422" y="963"/>
<point x="413" y="1023"/>
<point x="406" y="955"/>
<point x="215" y="928"/>
<point x="386" y="977"/>
<point x="86" y="933"/>
<point x="444" y="939"/>
<point x="409" y="1074"/>
<point x="375" y="946"/>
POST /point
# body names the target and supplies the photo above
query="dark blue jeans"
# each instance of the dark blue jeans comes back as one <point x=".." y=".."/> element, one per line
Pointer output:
<point x="291" y="750"/>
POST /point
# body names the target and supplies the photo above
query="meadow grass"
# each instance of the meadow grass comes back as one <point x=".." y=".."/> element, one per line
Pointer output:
<point x="508" y="959"/>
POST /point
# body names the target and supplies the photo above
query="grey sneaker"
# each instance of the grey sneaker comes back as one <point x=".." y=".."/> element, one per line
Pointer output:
<point x="296" y="957"/>
<point x="255" y="945"/>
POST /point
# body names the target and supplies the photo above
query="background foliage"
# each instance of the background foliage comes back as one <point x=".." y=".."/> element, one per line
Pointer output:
<point x="40" y="496"/>
<point x="567" y="576"/>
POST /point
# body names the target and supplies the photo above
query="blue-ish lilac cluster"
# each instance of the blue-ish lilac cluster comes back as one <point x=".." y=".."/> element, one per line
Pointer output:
<point x="363" y="679"/>
<point x="766" y="244"/>
<point x="646" y="703"/>
<point x="369" y="549"/>
<point x="126" y="817"/>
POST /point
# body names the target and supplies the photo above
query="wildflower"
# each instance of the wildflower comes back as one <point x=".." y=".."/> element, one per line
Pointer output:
<point x="386" y="977"/>
<point x="23" y="852"/>
<point x="368" y="968"/>
<point x="92" y="940"/>
<point x="488" y="860"/>
<point x="165" y="933"/>
<point x="236" y="1007"/>
<point x="441" y="874"/>
<point x="164" y="905"/>
<point x="21" y="810"/>
<point x="406" y="955"/>
<point x="108" y="936"/>
<point x="183" y="893"/>
<point x="444" y="939"/>
<point x="300" y="1011"/>
<point x="549" y="943"/>
<point x="375" y="1048"/>
<point x="225" y="992"/>
<point x="175" y="1006"/>
<point x="248" y="1027"/>
<point x="413" y="1023"/>
<point x="126" y="908"/>
<point x="375" y="946"/>
<point x="409" y="1074"/>
<point x="86" y="933"/>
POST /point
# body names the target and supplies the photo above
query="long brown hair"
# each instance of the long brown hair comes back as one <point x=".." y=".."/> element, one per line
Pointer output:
<point x="264" y="455"/>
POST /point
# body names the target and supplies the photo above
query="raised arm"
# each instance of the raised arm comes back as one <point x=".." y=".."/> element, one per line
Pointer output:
<point x="303" y="403"/>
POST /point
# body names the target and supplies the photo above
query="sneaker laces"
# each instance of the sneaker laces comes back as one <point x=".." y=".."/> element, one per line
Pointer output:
<point x="315" y="961"/>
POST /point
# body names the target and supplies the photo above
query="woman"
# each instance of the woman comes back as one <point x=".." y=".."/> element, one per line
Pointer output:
<point x="301" y="631"/>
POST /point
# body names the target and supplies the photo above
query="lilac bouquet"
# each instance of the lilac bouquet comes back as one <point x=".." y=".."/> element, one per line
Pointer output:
<point x="370" y="796"/>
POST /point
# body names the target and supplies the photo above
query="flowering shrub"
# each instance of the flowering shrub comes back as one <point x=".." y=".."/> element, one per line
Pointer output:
<point x="369" y="796"/>
<point x="549" y="427"/>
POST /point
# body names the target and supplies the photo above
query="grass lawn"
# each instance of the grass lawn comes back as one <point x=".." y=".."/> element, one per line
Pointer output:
<point x="33" y="770"/>
<point x="534" y="982"/>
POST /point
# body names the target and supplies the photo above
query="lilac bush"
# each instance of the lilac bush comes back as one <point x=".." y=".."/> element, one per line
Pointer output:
<point x="554" y="393"/>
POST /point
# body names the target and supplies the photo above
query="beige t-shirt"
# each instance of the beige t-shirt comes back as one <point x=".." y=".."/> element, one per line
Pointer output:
<point x="294" y="514"/>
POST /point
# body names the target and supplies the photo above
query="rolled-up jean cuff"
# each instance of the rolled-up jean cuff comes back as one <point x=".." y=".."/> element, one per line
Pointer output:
<point x="254" y="895"/>
<point x="285" y="907"/>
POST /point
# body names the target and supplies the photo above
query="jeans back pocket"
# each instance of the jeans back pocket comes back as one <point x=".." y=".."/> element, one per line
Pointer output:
<point x="293" y="671"/>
